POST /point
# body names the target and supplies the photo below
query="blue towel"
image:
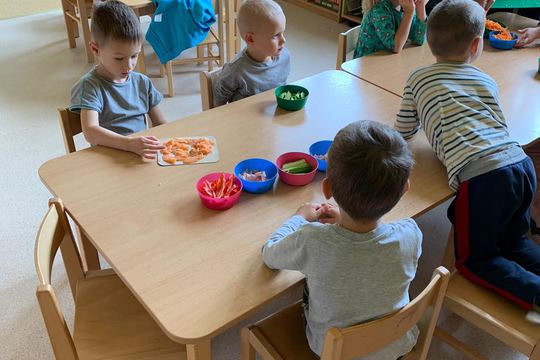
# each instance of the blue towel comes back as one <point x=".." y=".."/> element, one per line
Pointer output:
<point x="178" y="25"/>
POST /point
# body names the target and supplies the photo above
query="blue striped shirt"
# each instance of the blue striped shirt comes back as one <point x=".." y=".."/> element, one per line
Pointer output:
<point x="457" y="105"/>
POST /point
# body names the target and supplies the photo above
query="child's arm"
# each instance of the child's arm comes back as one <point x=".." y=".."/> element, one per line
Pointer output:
<point x="528" y="35"/>
<point x="402" y="33"/>
<point x="284" y="248"/>
<point x="157" y="116"/>
<point x="224" y="86"/>
<point x="417" y="33"/>
<point x="407" y="121"/>
<point x="146" y="146"/>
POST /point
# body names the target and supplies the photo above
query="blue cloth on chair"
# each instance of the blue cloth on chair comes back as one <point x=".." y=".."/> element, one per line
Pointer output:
<point x="178" y="25"/>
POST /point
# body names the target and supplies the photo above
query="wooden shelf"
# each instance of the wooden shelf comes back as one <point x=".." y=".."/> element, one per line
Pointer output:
<point x="354" y="18"/>
<point x="317" y="9"/>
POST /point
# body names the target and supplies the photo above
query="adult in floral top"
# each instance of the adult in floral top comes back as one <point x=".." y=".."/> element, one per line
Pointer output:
<point x="385" y="27"/>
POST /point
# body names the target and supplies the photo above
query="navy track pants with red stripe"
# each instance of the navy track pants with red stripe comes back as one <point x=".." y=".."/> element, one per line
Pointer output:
<point x="491" y="218"/>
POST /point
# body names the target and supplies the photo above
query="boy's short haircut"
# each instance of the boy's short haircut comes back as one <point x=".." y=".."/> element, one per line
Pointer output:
<point x="251" y="12"/>
<point x="369" y="164"/>
<point x="115" y="20"/>
<point x="452" y="25"/>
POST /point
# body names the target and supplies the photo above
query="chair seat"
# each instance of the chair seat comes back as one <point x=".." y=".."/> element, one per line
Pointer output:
<point x="492" y="313"/>
<point x="111" y="324"/>
<point x="285" y="331"/>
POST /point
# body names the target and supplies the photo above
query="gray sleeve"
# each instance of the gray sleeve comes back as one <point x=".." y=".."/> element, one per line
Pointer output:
<point x="285" y="247"/>
<point x="154" y="96"/>
<point x="413" y="247"/>
<point x="85" y="96"/>
<point x="225" y="85"/>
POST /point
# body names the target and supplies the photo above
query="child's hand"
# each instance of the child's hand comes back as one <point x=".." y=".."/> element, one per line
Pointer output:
<point x="329" y="214"/>
<point x="420" y="3"/>
<point x="408" y="6"/>
<point x="309" y="211"/>
<point x="528" y="35"/>
<point x="146" y="146"/>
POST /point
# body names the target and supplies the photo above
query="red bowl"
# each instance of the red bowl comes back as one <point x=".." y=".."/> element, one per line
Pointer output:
<point x="219" y="203"/>
<point x="296" y="179"/>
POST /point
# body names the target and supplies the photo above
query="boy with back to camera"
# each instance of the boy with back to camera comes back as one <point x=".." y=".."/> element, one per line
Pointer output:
<point x="357" y="268"/>
<point x="457" y="105"/>
<point x="112" y="99"/>
<point x="265" y="62"/>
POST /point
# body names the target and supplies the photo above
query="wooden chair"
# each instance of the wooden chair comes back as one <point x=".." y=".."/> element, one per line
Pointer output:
<point x="109" y="321"/>
<point x="281" y="336"/>
<point x="346" y="43"/>
<point x="78" y="12"/>
<point x="207" y="88"/>
<point x="489" y="312"/>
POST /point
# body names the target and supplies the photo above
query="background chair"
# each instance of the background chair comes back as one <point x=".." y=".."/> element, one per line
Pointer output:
<point x="109" y="321"/>
<point x="489" y="312"/>
<point x="281" y="336"/>
<point x="78" y="12"/>
<point x="207" y="88"/>
<point x="346" y="44"/>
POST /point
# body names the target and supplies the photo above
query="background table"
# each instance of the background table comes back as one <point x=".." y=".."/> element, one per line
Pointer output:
<point x="514" y="70"/>
<point x="198" y="271"/>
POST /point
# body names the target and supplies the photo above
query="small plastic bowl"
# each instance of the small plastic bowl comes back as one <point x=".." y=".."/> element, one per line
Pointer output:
<point x="218" y="204"/>
<point x="291" y="105"/>
<point x="257" y="187"/>
<point x="296" y="179"/>
<point x="502" y="44"/>
<point x="320" y="148"/>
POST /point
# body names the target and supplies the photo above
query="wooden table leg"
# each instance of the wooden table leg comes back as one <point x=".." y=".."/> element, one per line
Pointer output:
<point x="199" y="351"/>
<point x="89" y="253"/>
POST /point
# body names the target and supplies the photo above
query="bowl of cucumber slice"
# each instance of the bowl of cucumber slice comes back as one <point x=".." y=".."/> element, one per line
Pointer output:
<point x="291" y="97"/>
<point x="296" y="168"/>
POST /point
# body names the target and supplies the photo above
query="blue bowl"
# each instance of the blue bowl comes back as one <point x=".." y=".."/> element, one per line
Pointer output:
<point x="502" y="44"/>
<point x="320" y="148"/>
<point x="257" y="187"/>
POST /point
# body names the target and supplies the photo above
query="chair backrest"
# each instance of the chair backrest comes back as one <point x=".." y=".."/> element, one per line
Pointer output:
<point x="54" y="233"/>
<point x="346" y="43"/>
<point x="70" y="124"/>
<point x="207" y="88"/>
<point x="362" y="339"/>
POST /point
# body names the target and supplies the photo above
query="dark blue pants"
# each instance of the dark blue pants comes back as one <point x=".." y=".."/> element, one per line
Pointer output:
<point x="491" y="217"/>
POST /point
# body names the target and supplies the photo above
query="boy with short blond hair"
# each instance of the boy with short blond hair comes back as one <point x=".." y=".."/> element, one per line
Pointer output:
<point x="357" y="268"/>
<point x="265" y="62"/>
<point x="457" y="105"/>
<point x="113" y="100"/>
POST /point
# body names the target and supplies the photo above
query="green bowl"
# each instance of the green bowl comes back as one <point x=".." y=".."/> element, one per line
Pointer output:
<point x="291" y="105"/>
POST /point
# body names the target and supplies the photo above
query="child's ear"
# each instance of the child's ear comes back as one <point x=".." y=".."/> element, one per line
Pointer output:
<point x="248" y="37"/>
<point x="406" y="187"/>
<point x="326" y="188"/>
<point x="475" y="45"/>
<point x="94" y="48"/>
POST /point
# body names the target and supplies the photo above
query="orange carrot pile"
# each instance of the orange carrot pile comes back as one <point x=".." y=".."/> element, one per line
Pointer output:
<point x="186" y="150"/>
<point x="493" y="25"/>
<point x="503" y="35"/>
<point x="221" y="188"/>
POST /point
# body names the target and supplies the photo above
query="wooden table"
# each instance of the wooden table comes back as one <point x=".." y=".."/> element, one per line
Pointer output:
<point x="515" y="72"/>
<point x="198" y="271"/>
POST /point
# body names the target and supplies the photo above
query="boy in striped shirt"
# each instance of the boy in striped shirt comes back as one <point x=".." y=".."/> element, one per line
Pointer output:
<point x="457" y="105"/>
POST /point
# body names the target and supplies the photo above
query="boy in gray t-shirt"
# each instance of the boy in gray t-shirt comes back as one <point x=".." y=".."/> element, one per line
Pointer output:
<point x="357" y="268"/>
<point x="265" y="63"/>
<point x="112" y="99"/>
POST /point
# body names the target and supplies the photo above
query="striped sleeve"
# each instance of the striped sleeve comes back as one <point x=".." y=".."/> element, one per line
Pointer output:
<point x="407" y="121"/>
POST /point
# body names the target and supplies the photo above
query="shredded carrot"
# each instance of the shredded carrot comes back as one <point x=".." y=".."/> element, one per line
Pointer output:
<point x="494" y="26"/>
<point x="186" y="150"/>
<point x="503" y="35"/>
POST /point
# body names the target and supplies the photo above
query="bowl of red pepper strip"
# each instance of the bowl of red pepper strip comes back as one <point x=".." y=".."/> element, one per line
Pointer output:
<point x="219" y="191"/>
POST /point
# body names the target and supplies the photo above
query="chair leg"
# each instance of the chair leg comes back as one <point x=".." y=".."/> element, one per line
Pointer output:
<point x="200" y="53"/>
<point x="168" y="67"/>
<point x="209" y="54"/>
<point x="71" y="24"/>
<point x="86" y="29"/>
<point x="161" y="70"/>
<point x="247" y="352"/>
<point x="89" y="253"/>
<point x="448" y="260"/>
<point x="465" y="349"/>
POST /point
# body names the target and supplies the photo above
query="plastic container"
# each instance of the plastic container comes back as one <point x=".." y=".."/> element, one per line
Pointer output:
<point x="291" y="105"/>
<point x="502" y="44"/>
<point x="320" y="148"/>
<point x="296" y="179"/>
<point x="219" y="203"/>
<point x="257" y="187"/>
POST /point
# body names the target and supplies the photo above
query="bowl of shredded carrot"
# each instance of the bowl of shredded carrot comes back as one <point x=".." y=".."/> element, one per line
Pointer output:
<point x="503" y="40"/>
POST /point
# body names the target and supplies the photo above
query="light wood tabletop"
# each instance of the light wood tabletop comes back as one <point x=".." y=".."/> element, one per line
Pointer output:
<point x="514" y="70"/>
<point x="198" y="271"/>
